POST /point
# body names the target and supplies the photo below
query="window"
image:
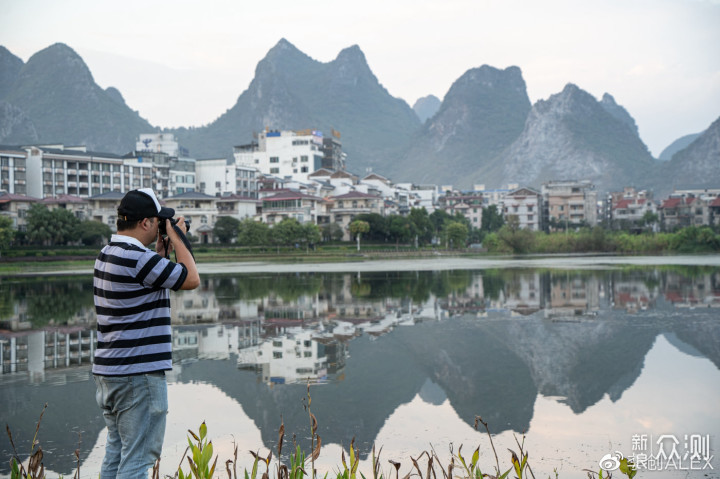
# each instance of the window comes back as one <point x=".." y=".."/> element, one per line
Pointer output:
<point x="304" y="158"/>
<point x="277" y="354"/>
<point x="304" y="169"/>
<point x="274" y="171"/>
<point x="274" y="159"/>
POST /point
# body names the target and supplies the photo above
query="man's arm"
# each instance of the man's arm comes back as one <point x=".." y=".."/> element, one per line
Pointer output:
<point x="183" y="255"/>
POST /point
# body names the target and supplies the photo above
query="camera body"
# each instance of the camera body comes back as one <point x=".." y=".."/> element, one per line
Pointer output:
<point x="173" y="221"/>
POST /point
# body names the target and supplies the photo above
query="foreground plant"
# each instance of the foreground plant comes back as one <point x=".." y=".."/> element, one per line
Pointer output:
<point x="35" y="469"/>
<point x="199" y="456"/>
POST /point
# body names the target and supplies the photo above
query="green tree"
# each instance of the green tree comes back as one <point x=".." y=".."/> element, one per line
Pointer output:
<point x="357" y="228"/>
<point x="492" y="219"/>
<point x="516" y="239"/>
<point x="456" y="234"/>
<point x="253" y="233"/>
<point x="402" y="229"/>
<point x="7" y="232"/>
<point x="378" y="226"/>
<point x="226" y="229"/>
<point x="49" y="228"/>
<point x="423" y="226"/>
<point x="92" y="233"/>
<point x="310" y="235"/>
<point x="289" y="231"/>
<point x="332" y="232"/>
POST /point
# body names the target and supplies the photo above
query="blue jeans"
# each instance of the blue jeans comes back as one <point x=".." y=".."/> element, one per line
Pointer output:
<point x="135" y="409"/>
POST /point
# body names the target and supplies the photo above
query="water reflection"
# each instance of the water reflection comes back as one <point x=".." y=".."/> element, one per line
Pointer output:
<point x="488" y="342"/>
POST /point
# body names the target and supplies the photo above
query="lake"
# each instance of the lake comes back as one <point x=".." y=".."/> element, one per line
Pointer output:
<point x="587" y="358"/>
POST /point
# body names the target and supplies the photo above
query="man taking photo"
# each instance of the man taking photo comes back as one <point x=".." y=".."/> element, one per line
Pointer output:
<point x="134" y="338"/>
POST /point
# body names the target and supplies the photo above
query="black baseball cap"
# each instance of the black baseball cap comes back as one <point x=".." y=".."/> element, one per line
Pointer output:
<point x="142" y="203"/>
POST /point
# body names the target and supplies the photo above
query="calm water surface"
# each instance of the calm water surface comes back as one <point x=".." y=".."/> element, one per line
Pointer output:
<point x="585" y="360"/>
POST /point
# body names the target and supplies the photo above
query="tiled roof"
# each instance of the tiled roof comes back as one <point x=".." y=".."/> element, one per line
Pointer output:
<point x="671" y="203"/>
<point x="235" y="198"/>
<point x="291" y="195"/>
<point x="354" y="194"/>
<point x="191" y="195"/>
<point x="8" y="197"/>
<point x="623" y="204"/>
<point x="108" y="195"/>
<point x="64" y="199"/>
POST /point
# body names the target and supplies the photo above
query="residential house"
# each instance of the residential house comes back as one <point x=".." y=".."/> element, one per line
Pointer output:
<point x="237" y="206"/>
<point x="569" y="204"/>
<point x="103" y="208"/>
<point x="347" y="206"/>
<point x="79" y="207"/>
<point x="294" y="204"/>
<point x="469" y="205"/>
<point x="16" y="208"/>
<point x="199" y="209"/>
<point x="525" y="204"/>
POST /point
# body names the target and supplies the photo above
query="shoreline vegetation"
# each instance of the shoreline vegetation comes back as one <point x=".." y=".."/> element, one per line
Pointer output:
<point x="202" y="463"/>
<point x="507" y="241"/>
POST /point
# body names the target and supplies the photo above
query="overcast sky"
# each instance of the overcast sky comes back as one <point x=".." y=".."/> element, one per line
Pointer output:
<point x="184" y="63"/>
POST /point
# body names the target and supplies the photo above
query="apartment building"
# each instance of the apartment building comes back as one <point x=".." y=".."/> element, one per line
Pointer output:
<point x="525" y="204"/>
<point x="470" y="205"/>
<point x="286" y="154"/>
<point x="568" y="204"/>
<point x="13" y="170"/>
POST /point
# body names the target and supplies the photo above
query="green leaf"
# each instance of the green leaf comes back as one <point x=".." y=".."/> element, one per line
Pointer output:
<point x="203" y="430"/>
<point x="475" y="456"/>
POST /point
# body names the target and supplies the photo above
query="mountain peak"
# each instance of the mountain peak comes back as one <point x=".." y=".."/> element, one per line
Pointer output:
<point x="352" y="53"/>
<point x="617" y="111"/>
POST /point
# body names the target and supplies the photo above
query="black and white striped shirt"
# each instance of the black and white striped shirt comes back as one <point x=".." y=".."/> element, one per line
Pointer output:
<point x="132" y="302"/>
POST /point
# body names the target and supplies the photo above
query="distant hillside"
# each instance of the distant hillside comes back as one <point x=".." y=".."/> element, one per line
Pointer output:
<point x="482" y="113"/>
<point x="57" y="93"/>
<point x="292" y="91"/>
<point x="572" y="136"/>
<point x="677" y="145"/>
<point x="426" y="107"/>
<point x="484" y="131"/>
<point x="618" y="112"/>
<point x="10" y="67"/>
<point x="696" y="166"/>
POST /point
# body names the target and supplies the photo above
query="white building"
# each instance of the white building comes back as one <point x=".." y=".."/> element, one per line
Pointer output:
<point x="159" y="143"/>
<point x="525" y="204"/>
<point x="221" y="177"/>
<point x="286" y="154"/>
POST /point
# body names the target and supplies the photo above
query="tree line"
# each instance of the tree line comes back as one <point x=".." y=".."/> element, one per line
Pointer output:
<point x="60" y="227"/>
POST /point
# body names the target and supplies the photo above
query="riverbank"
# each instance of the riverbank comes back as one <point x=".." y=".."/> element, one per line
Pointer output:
<point x="402" y="261"/>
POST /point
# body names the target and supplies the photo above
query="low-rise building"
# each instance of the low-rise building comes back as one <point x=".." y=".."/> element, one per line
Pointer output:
<point x="349" y="205"/>
<point x="525" y="204"/>
<point x="199" y="209"/>
<point x="16" y="208"/>
<point x="470" y="205"/>
<point x="568" y="204"/>
<point x="293" y="204"/>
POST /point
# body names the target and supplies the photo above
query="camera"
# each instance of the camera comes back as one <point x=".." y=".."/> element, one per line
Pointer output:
<point x="173" y="221"/>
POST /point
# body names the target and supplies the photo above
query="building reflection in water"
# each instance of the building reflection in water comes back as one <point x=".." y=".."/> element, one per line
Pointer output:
<point x="291" y="328"/>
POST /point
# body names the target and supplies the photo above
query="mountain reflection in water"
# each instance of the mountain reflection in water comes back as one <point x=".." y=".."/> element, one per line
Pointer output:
<point x="494" y="343"/>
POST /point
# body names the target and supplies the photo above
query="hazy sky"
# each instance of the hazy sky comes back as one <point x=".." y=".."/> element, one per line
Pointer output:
<point x="183" y="62"/>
